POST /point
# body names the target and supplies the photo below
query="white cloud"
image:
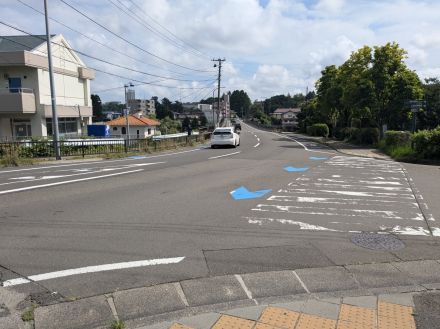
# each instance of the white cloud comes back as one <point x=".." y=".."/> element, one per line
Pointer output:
<point x="278" y="48"/>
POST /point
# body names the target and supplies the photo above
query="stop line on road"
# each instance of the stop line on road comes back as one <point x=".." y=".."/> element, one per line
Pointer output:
<point x="349" y="194"/>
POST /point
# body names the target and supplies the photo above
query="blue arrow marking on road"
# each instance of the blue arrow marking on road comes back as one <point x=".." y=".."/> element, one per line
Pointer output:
<point x="295" y="169"/>
<point x="243" y="193"/>
<point x="136" y="157"/>
<point x="318" y="158"/>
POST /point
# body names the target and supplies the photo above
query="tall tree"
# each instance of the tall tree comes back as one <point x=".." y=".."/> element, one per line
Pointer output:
<point x="240" y="102"/>
<point x="97" y="108"/>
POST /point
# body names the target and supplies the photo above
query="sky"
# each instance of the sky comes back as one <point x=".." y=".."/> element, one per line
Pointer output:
<point x="271" y="47"/>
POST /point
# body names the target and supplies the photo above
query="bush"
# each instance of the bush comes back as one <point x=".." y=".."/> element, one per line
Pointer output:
<point x="369" y="136"/>
<point x="318" y="129"/>
<point x="426" y="143"/>
<point x="347" y="133"/>
<point x="397" y="138"/>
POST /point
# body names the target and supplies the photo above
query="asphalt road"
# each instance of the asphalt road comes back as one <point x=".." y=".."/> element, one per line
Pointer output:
<point x="178" y="207"/>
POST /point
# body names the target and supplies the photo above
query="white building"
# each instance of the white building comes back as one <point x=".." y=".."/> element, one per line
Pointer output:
<point x="139" y="127"/>
<point x="25" y="100"/>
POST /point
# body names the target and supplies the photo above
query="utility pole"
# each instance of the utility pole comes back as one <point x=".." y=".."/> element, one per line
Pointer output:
<point x="55" y="131"/>
<point x="218" y="81"/>
<point x="127" y="113"/>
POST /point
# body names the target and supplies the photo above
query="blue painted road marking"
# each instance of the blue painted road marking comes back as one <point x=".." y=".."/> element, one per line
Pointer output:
<point x="243" y="193"/>
<point x="318" y="158"/>
<point x="136" y="157"/>
<point x="295" y="169"/>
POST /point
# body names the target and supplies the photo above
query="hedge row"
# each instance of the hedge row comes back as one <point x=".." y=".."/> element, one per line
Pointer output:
<point x="318" y="129"/>
<point x="424" y="144"/>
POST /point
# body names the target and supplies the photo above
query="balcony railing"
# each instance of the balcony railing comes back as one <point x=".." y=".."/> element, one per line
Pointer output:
<point x="17" y="100"/>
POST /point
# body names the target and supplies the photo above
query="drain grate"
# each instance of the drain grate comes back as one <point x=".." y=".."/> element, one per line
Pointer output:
<point x="376" y="241"/>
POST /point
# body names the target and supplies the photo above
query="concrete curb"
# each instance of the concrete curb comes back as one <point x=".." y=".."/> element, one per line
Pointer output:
<point x="164" y="302"/>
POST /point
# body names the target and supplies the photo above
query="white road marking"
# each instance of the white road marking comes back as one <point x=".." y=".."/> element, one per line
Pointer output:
<point x="302" y="225"/>
<point x="24" y="177"/>
<point x="301" y="282"/>
<point x="256" y="145"/>
<point x="258" y="139"/>
<point x="67" y="182"/>
<point x="95" y="162"/>
<point x="224" y="155"/>
<point x="243" y="286"/>
<point x="92" y="269"/>
<point x="33" y="179"/>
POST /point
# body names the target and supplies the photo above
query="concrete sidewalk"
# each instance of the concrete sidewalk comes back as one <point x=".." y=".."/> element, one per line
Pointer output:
<point x="308" y="298"/>
<point x="347" y="148"/>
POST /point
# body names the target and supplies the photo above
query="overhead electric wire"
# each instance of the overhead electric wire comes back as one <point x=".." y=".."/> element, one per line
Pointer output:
<point x="105" y="61"/>
<point x="127" y="10"/>
<point x="100" y="43"/>
<point x="128" y="41"/>
<point x="175" y="36"/>
<point x="96" y="69"/>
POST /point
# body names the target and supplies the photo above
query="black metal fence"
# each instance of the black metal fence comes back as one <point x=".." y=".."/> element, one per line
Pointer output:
<point x="45" y="148"/>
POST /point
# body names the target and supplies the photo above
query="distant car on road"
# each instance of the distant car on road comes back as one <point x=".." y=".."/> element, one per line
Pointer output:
<point x="224" y="136"/>
<point x="237" y="128"/>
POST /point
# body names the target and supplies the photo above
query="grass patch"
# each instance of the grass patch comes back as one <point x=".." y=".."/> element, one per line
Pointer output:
<point x="14" y="161"/>
<point x="117" y="324"/>
<point x="399" y="152"/>
<point x="28" y="315"/>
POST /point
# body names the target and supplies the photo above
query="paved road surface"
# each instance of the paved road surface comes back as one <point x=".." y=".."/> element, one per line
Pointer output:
<point x="175" y="211"/>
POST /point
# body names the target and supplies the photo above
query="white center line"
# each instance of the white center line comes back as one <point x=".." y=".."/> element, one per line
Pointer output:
<point x="92" y="269"/>
<point x="224" y="155"/>
<point x="256" y="145"/>
<point x="67" y="182"/>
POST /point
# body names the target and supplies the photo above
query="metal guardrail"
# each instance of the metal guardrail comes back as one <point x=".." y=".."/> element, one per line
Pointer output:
<point x="45" y="148"/>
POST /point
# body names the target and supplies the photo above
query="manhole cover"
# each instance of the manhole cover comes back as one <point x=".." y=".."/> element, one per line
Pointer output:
<point x="377" y="241"/>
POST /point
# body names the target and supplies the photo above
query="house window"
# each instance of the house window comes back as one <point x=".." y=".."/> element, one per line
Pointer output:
<point x="66" y="126"/>
<point x="123" y="130"/>
<point x="115" y="128"/>
<point x="149" y="131"/>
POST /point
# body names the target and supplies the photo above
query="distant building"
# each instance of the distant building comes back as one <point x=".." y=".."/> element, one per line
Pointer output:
<point x="207" y="111"/>
<point x="288" y="116"/>
<point x="25" y="98"/>
<point x="146" y="106"/>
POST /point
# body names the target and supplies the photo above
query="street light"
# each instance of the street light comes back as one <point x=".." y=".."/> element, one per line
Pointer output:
<point x="127" y="112"/>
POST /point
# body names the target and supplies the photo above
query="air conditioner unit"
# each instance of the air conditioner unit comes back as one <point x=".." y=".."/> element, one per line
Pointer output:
<point x="6" y="76"/>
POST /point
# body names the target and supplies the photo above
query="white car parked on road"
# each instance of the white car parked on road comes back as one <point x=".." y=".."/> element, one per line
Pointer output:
<point x="225" y="136"/>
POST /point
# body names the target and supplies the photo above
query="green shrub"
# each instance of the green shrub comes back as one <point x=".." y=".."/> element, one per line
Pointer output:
<point x="397" y="138"/>
<point x="347" y="133"/>
<point x="369" y="136"/>
<point x="318" y="129"/>
<point x="426" y="143"/>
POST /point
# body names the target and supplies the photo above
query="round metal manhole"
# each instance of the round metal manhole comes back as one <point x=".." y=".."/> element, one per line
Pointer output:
<point x="376" y="241"/>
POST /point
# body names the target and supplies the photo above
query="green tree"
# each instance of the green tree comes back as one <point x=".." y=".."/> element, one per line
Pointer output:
<point x="203" y="121"/>
<point x="170" y="126"/>
<point x="429" y="117"/>
<point x="97" y="108"/>
<point x="240" y="102"/>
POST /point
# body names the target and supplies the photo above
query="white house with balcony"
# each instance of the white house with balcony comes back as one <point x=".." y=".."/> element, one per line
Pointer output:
<point x="25" y="100"/>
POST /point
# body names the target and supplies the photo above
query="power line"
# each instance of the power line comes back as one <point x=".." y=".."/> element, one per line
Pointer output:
<point x="96" y="69"/>
<point x="98" y="42"/>
<point x="175" y="36"/>
<point x="103" y="60"/>
<point x="128" y="41"/>
<point x="150" y="28"/>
